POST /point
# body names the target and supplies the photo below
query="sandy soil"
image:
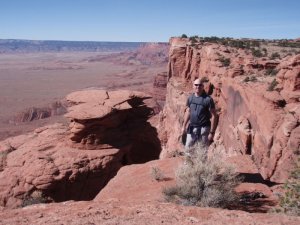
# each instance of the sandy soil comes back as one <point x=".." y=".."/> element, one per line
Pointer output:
<point x="38" y="79"/>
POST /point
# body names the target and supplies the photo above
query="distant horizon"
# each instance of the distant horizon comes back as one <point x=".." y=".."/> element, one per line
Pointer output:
<point x="148" y="21"/>
<point x="20" y="39"/>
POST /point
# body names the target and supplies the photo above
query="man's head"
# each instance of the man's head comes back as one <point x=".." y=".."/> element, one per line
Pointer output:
<point x="198" y="86"/>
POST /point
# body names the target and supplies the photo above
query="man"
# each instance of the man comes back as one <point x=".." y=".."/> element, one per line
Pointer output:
<point x="200" y="109"/>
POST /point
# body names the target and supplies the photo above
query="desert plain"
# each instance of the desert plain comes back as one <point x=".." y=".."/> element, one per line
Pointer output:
<point x="39" y="79"/>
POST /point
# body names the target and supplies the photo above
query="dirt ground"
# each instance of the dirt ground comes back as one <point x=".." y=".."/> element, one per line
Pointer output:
<point x="39" y="79"/>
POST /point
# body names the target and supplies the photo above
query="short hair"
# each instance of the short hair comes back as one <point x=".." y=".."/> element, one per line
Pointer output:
<point x="201" y="81"/>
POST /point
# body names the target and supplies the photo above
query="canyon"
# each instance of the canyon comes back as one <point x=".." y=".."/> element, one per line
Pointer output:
<point x="96" y="166"/>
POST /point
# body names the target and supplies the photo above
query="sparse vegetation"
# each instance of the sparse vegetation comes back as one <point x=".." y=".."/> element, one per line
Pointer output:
<point x="272" y="85"/>
<point x="275" y="55"/>
<point x="290" y="201"/>
<point x="287" y="43"/>
<point x="184" y="36"/>
<point x="205" y="182"/>
<point x="250" y="79"/>
<point x="258" y="47"/>
<point x="256" y="53"/>
<point x="36" y="197"/>
<point x="194" y="40"/>
<point x="235" y="43"/>
<point x="265" y="51"/>
<point x="271" y="72"/>
<point x="157" y="174"/>
<point x="225" y="61"/>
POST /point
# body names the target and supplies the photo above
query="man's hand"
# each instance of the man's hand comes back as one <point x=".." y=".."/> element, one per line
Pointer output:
<point x="210" y="137"/>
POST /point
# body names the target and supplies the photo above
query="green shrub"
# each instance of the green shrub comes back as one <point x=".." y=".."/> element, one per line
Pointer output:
<point x="250" y="79"/>
<point x="265" y="51"/>
<point x="193" y="39"/>
<point x="225" y="61"/>
<point x="257" y="53"/>
<point x="184" y="36"/>
<point x="37" y="197"/>
<point x="275" y="55"/>
<point x="271" y="72"/>
<point x="205" y="182"/>
<point x="157" y="174"/>
<point x="287" y="43"/>
<point x="255" y="43"/>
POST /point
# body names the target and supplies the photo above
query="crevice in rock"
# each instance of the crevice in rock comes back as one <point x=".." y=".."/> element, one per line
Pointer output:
<point x="249" y="145"/>
<point x="82" y="187"/>
<point x="256" y="178"/>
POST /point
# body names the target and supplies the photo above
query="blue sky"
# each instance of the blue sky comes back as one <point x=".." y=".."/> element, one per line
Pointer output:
<point x="147" y="20"/>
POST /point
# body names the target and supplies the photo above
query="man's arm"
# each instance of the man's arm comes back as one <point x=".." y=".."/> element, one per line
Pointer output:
<point x="214" y="120"/>
<point x="186" y="118"/>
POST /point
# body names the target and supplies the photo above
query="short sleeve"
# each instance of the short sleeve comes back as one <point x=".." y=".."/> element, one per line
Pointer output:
<point x="188" y="101"/>
<point x="211" y="103"/>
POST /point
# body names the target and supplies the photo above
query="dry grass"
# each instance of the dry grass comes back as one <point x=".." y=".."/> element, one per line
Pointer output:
<point x="37" y="197"/>
<point x="205" y="182"/>
<point x="157" y="174"/>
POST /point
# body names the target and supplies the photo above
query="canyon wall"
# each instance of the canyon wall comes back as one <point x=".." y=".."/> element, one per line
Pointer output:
<point x="258" y="112"/>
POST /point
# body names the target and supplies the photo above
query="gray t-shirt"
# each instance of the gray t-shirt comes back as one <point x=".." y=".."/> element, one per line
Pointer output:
<point x="200" y="109"/>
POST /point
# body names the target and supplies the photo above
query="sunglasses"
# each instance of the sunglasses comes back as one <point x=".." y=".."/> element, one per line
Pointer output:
<point x="197" y="85"/>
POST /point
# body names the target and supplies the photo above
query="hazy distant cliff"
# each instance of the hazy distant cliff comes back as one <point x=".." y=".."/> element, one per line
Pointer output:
<point x="23" y="46"/>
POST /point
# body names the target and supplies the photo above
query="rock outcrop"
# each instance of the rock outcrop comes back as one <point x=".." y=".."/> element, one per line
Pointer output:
<point x="254" y="121"/>
<point x="40" y="167"/>
<point x="160" y="87"/>
<point x="54" y="163"/>
<point x="114" y="119"/>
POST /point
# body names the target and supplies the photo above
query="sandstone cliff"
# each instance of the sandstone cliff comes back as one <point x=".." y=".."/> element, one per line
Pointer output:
<point x="55" y="163"/>
<point x="259" y="113"/>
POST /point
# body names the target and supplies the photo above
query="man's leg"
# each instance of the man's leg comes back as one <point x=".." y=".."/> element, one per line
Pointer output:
<point x="191" y="139"/>
<point x="188" y="141"/>
<point x="203" y="139"/>
<point x="204" y="135"/>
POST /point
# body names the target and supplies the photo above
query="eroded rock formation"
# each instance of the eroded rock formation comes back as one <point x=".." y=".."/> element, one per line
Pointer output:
<point x="55" y="163"/>
<point x="160" y="87"/>
<point x="40" y="164"/>
<point x="114" y="119"/>
<point x="36" y="113"/>
<point x="254" y="121"/>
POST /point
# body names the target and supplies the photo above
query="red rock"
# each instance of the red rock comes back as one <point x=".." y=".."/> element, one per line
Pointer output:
<point x="115" y="212"/>
<point x="43" y="163"/>
<point x="136" y="183"/>
<point x="160" y="87"/>
<point x="266" y="134"/>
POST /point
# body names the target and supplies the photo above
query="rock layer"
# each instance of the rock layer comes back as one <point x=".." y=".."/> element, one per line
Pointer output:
<point x="40" y="167"/>
<point x="160" y="87"/>
<point x="108" y="130"/>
